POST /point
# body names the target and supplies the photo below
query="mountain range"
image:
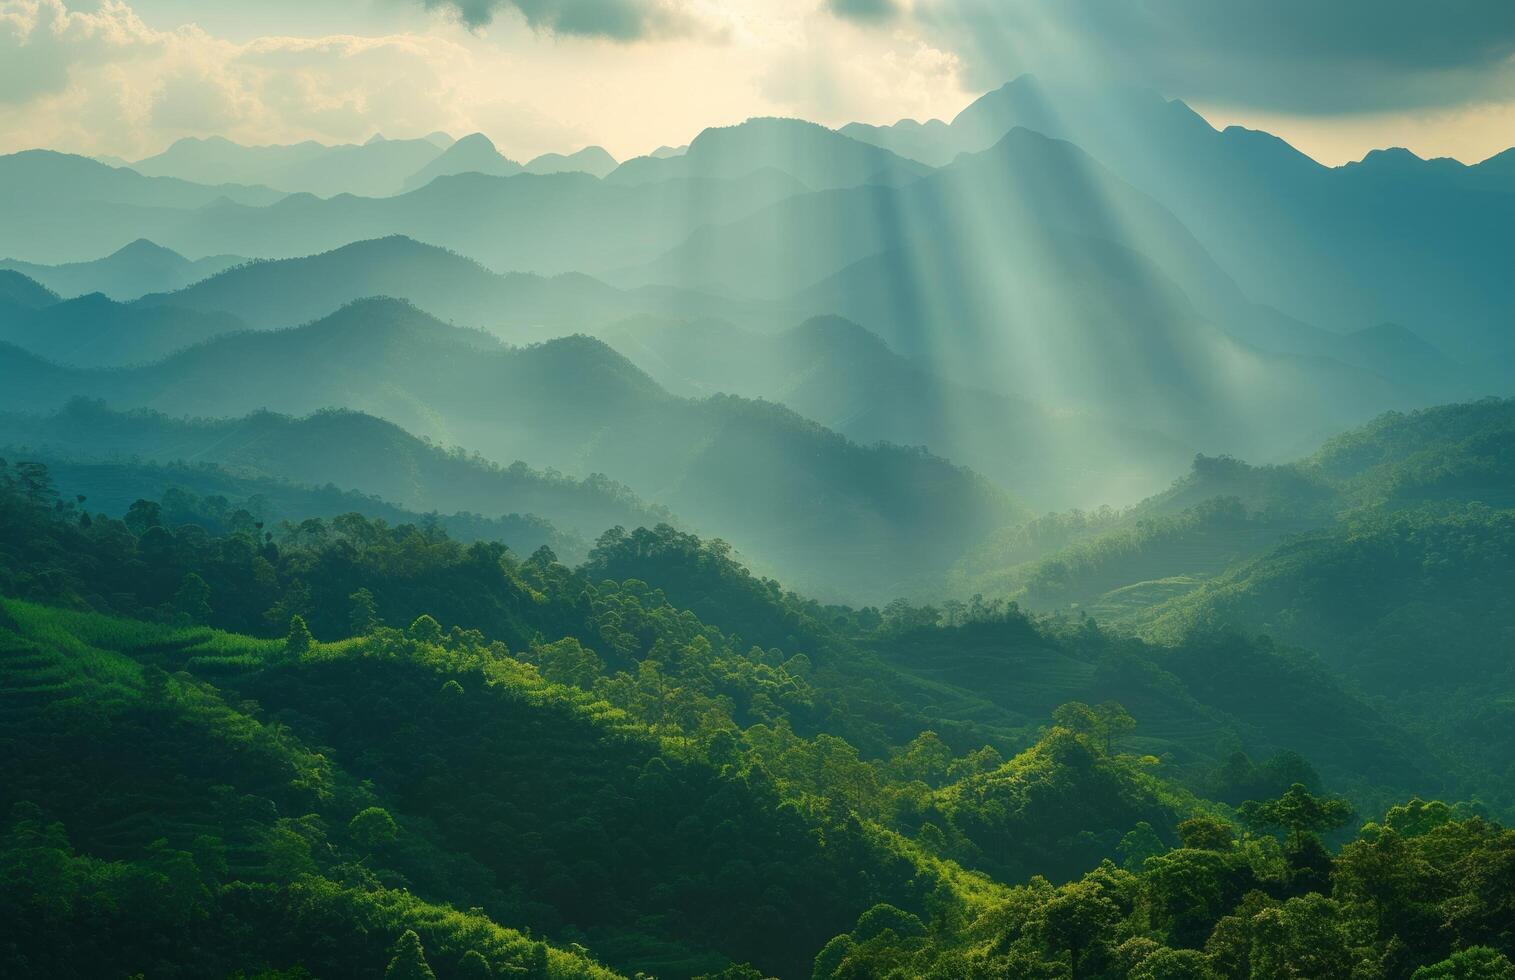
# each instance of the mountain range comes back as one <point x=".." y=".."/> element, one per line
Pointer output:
<point x="133" y="270"/>
<point x="377" y="168"/>
<point x="787" y="492"/>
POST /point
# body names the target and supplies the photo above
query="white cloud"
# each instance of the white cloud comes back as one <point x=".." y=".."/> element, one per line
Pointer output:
<point x="106" y="82"/>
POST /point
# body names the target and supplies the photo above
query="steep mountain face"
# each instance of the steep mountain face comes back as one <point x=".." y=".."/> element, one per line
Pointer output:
<point x="94" y="331"/>
<point x="789" y="493"/>
<point x="371" y="169"/>
<point x="817" y="157"/>
<point x="517" y="306"/>
<point x="473" y="154"/>
<point x="835" y="372"/>
<point x="1318" y="243"/>
<point x="593" y="160"/>
<point x="1030" y="269"/>
<point x="135" y="269"/>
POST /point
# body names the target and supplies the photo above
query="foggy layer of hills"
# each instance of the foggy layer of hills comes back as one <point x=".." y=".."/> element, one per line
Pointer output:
<point x="373" y="169"/>
<point x="1067" y="291"/>
<point x="787" y="492"/>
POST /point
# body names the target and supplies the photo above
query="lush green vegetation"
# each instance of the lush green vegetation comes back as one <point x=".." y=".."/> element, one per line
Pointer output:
<point x="618" y="758"/>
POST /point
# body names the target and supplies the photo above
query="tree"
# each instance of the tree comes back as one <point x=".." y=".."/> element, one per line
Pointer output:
<point x="1102" y="725"/>
<point x="409" y="962"/>
<point x="926" y="758"/>
<point x="1174" y="964"/>
<point x="1474" y="963"/>
<point x="1077" y="919"/>
<point x="426" y="630"/>
<point x="1113" y="721"/>
<point x="884" y="916"/>
<point x="473" y="966"/>
<point x="144" y="514"/>
<point x="1297" y="812"/>
<point x="1206" y="834"/>
<point x="364" y="618"/>
<point x="373" y="828"/>
<point x="1140" y="843"/>
<point x="299" y="639"/>
<point x="192" y="602"/>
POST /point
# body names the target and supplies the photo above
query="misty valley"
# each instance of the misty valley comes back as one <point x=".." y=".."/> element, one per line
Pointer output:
<point x="1067" y="541"/>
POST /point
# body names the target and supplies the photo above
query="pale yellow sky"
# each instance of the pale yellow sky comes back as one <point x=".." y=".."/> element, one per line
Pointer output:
<point x="1466" y="133"/>
<point x="127" y="77"/>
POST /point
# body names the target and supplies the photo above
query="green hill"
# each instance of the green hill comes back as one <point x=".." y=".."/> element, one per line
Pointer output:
<point x="302" y="801"/>
<point x="790" y="494"/>
<point x="94" y="331"/>
<point x="328" y="449"/>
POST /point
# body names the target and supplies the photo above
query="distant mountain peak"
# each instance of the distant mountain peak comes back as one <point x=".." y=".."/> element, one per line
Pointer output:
<point x="473" y="141"/>
<point x="143" y="248"/>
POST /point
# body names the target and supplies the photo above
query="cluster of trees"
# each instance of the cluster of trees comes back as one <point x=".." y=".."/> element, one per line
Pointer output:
<point x="1425" y="893"/>
<point x="618" y="765"/>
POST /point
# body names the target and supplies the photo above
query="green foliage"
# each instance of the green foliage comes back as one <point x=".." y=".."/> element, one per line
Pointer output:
<point x="204" y="802"/>
<point x="409" y="962"/>
<point x="1477" y="963"/>
<point x="1297" y="812"/>
<point x="299" y="638"/>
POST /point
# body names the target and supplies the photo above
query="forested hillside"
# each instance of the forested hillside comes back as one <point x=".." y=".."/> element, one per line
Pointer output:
<point x="733" y="766"/>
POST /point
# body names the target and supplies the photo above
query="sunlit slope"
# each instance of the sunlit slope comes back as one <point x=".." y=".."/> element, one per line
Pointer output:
<point x="448" y="767"/>
<point x="1032" y="269"/>
<point x="965" y="665"/>
<point x="794" y="496"/>
<point x="1393" y="239"/>
<point x="844" y="377"/>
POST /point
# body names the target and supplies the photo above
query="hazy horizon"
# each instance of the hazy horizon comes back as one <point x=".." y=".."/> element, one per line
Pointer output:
<point x="632" y="75"/>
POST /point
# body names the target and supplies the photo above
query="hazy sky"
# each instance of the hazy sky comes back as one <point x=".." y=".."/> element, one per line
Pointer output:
<point x="127" y="77"/>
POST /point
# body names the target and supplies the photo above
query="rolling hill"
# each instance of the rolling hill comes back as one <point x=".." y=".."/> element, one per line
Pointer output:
<point x="790" y="494"/>
<point x="372" y="169"/>
<point x="133" y="270"/>
<point x="95" y="331"/>
<point x="835" y="372"/>
<point x="516" y="306"/>
<point x="819" y="158"/>
<point x="329" y="449"/>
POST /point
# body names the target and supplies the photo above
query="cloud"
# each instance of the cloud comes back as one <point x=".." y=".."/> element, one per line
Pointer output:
<point x="1294" y="55"/>
<point x="105" y="82"/>
<point x="42" y="40"/>
<point x="865" y="11"/>
<point x="618" y="20"/>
